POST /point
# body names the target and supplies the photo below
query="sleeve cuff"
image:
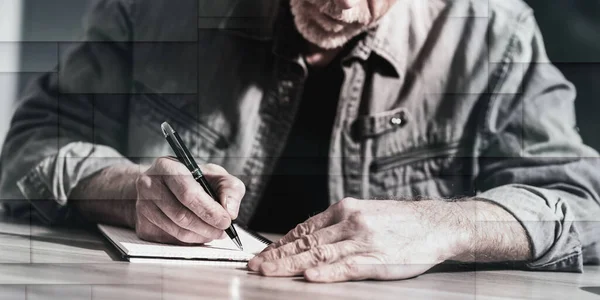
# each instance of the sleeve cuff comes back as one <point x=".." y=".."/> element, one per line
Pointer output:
<point x="48" y="185"/>
<point x="548" y="222"/>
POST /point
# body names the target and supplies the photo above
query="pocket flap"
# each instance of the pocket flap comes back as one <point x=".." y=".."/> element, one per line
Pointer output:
<point x="373" y="125"/>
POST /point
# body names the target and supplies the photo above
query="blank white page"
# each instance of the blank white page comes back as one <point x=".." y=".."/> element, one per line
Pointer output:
<point x="129" y="243"/>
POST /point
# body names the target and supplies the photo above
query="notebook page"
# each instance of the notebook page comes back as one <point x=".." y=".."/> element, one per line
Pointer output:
<point x="131" y="245"/>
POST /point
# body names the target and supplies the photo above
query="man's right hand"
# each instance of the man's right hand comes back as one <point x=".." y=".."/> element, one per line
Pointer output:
<point x="172" y="207"/>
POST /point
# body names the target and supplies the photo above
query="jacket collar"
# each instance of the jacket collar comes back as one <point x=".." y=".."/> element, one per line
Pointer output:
<point x="388" y="40"/>
<point x="401" y="33"/>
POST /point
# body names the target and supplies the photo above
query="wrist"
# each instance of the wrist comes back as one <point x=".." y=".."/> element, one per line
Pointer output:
<point x="487" y="232"/>
<point x="108" y="196"/>
<point x="461" y="229"/>
<point x="452" y="228"/>
<point x="123" y="181"/>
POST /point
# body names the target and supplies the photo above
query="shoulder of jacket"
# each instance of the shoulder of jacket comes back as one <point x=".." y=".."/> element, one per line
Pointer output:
<point x="505" y="10"/>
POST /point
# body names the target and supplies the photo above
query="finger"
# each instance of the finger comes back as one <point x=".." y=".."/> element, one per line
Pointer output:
<point x="297" y="264"/>
<point x="213" y="169"/>
<point x="311" y="225"/>
<point x="350" y="268"/>
<point x="193" y="196"/>
<point x="185" y="218"/>
<point x="325" y="236"/>
<point x="152" y="233"/>
<point x="153" y="214"/>
<point x="155" y="189"/>
<point x="147" y="231"/>
<point x="230" y="189"/>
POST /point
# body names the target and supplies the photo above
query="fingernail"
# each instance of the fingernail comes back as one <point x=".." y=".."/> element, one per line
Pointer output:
<point x="312" y="273"/>
<point x="268" y="267"/>
<point x="229" y="205"/>
<point x="255" y="263"/>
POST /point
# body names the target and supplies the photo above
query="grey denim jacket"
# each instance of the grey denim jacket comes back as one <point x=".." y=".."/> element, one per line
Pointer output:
<point x="444" y="99"/>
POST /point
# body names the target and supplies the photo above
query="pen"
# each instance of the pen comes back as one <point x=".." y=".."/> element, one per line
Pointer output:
<point x="184" y="156"/>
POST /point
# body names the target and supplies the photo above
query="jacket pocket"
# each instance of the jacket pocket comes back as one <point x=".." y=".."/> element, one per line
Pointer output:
<point x="428" y="171"/>
<point x="414" y="157"/>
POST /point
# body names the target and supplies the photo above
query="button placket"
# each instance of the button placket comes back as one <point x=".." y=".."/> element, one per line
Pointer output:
<point x="352" y="150"/>
<point x="285" y="89"/>
<point x="277" y="114"/>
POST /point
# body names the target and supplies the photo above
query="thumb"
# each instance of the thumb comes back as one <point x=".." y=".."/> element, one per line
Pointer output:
<point x="232" y="205"/>
<point x="230" y="190"/>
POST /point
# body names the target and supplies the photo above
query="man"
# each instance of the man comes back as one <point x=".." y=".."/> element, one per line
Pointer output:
<point x="444" y="117"/>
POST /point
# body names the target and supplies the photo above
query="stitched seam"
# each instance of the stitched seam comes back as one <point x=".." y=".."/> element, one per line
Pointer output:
<point x="500" y="76"/>
<point x="555" y="262"/>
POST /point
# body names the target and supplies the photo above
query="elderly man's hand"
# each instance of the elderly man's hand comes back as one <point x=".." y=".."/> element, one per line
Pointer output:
<point x="173" y="208"/>
<point x="354" y="240"/>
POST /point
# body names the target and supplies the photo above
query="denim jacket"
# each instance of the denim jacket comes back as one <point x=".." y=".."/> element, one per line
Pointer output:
<point x="443" y="99"/>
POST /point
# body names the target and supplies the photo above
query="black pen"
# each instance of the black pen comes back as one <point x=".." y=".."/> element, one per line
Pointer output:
<point x="184" y="156"/>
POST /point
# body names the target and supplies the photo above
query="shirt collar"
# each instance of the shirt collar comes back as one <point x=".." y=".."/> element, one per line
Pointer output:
<point x="287" y="41"/>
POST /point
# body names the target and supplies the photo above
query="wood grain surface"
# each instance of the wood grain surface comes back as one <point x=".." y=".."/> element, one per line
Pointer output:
<point x="38" y="262"/>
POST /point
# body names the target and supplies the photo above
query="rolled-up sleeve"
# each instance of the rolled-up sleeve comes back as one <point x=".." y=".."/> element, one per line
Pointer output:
<point x="47" y="186"/>
<point x="70" y="123"/>
<point x="533" y="162"/>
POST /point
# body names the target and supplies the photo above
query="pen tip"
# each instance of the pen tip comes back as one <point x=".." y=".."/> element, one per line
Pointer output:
<point x="166" y="128"/>
<point x="238" y="243"/>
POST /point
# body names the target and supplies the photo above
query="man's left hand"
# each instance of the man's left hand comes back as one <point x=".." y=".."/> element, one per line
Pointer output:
<point x="356" y="240"/>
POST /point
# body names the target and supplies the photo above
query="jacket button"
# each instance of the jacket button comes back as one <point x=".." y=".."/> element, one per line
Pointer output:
<point x="399" y="120"/>
<point x="285" y="89"/>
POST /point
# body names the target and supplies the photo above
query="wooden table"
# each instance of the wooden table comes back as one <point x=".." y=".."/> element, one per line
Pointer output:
<point x="38" y="262"/>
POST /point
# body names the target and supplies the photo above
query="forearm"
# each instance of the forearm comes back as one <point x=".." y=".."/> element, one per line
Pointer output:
<point x="108" y="196"/>
<point x="491" y="234"/>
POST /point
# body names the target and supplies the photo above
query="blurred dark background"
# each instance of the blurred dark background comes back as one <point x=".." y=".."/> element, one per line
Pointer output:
<point x="45" y="25"/>
<point x="571" y="30"/>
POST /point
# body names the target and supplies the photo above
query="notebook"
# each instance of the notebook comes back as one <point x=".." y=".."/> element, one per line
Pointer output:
<point x="219" y="251"/>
